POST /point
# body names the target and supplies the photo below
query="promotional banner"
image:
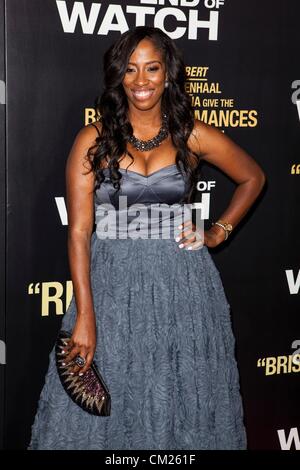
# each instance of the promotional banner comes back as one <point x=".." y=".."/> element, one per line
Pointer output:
<point x="243" y="76"/>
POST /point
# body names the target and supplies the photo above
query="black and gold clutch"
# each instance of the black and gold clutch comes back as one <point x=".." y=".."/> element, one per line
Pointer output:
<point x="88" y="391"/>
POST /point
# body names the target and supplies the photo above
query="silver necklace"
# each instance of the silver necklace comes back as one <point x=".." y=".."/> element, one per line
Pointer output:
<point x="145" y="145"/>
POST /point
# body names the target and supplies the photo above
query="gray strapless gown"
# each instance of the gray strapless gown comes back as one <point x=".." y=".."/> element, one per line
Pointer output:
<point x="165" y="345"/>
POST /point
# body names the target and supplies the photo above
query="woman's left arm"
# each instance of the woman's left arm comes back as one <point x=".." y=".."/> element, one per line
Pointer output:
<point x="218" y="149"/>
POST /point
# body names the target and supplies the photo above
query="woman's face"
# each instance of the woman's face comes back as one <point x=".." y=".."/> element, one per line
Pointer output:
<point x="144" y="80"/>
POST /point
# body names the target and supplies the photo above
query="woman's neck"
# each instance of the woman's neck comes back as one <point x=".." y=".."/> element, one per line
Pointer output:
<point x="149" y="119"/>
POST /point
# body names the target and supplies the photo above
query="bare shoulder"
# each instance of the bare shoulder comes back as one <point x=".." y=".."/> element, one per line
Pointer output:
<point x="201" y="134"/>
<point x="84" y="140"/>
<point x="89" y="132"/>
<point x="217" y="148"/>
<point x="94" y="125"/>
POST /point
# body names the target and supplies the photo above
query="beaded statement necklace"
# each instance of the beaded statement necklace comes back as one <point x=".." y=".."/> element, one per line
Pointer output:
<point x="145" y="145"/>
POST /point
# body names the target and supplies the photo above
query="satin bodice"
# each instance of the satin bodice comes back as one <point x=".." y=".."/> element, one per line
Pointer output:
<point x="157" y="192"/>
<point x="165" y="185"/>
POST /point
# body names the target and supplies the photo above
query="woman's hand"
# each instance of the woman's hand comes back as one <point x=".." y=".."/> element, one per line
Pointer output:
<point x="82" y="342"/>
<point x="191" y="238"/>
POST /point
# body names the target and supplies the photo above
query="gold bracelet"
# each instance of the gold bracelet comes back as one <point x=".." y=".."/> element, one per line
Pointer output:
<point x="225" y="226"/>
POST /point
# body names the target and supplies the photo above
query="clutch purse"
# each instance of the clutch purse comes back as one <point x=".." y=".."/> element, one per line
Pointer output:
<point x="88" y="391"/>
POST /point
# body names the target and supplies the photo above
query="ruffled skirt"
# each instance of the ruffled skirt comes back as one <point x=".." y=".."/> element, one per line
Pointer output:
<point x="165" y="349"/>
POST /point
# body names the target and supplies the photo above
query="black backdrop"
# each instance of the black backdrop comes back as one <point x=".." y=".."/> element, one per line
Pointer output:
<point x="53" y="74"/>
<point x="2" y="218"/>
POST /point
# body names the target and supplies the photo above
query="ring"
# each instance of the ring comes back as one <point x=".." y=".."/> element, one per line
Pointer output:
<point x="79" y="361"/>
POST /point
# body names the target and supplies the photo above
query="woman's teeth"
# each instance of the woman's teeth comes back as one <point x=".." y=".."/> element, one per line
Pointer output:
<point x="142" y="95"/>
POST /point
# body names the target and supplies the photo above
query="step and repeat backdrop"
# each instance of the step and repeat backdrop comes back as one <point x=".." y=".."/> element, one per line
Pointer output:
<point x="243" y="74"/>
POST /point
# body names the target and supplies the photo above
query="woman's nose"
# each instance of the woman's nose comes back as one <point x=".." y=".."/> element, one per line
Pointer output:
<point x="141" y="78"/>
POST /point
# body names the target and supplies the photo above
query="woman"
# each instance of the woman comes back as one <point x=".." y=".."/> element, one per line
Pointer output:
<point x="151" y="312"/>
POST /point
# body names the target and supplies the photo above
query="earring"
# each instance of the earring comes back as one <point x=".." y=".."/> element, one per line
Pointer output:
<point x="166" y="84"/>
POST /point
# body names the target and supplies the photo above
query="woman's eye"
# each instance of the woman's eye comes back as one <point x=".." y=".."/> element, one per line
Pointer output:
<point x="150" y="69"/>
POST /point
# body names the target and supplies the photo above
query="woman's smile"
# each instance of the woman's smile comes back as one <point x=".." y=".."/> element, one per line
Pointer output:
<point x="144" y="79"/>
<point x="142" y="94"/>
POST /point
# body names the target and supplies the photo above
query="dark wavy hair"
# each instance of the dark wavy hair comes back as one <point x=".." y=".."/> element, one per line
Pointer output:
<point x="112" y="105"/>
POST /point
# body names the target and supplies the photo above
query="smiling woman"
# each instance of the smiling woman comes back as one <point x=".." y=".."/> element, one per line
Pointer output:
<point x="151" y="313"/>
<point x="145" y="79"/>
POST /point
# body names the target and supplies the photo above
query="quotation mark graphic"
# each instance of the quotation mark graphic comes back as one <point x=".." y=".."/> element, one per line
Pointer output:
<point x="34" y="288"/>
<point x="261" y="362"/>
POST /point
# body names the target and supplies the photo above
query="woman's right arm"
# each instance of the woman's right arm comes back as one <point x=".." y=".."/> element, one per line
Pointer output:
<point x="80" y="207"/>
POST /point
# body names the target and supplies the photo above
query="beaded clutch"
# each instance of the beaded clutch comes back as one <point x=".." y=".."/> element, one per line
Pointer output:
<point x="88" y="391"/>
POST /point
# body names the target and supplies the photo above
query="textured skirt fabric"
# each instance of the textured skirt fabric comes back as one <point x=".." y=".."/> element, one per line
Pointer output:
<point x="165" y="349"/>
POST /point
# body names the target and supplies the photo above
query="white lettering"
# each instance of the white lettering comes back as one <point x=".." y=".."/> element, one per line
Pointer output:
<point x="140" y="13"/>
<point x="286" y="443"/>
<point x="294" y="285"/>
<point x="62" y="210"/>
<point x="203" y="205"/>
<point x="211" y="25"/>
<point x="2" y="352"/>
<point x="160" y="20"/>
<point x="114" y="18"/>
<point x="107" y="23"/>
<point x="78" y="12"/>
